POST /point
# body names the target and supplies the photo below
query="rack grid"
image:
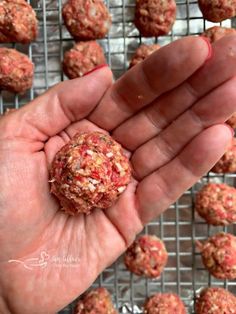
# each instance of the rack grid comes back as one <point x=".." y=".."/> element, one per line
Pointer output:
<point x="179" y="226"/>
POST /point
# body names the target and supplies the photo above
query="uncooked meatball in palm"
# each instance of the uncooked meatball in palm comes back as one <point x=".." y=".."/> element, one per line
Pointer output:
<point x="154" y="17"/>
<point x="86" y="19"/>
<point x="18" y="22"/>
<point x="83" y="58"/>
<point x="147" y="256"/>
<point x="142" y="53"/>
<point x="89" y="172"/>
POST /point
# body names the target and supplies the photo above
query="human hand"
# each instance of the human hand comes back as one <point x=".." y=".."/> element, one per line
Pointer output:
<point x="161" y="108"/>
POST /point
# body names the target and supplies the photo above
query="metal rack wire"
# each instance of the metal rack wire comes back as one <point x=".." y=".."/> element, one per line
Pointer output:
<point x="179" y="226"/>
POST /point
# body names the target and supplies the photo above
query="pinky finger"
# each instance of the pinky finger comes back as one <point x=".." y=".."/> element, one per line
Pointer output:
<point x="157" y="191"/>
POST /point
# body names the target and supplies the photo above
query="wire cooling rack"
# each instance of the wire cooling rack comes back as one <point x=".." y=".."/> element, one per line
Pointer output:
<point x="179" y="226"/>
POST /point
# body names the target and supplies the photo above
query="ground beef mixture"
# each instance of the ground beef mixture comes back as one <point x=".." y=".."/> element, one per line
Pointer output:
<point x="82" y="58"/>
<point x="216" y="203"/>
<point x="164" y="303"/>
<point x="142" y="53"/>
<point x="227" y="163"/>
<point x="97" y="301"/>
<point x="147" y="256"/>
<point x="154" y="17"/>
<point x="18" y="22"/>
<point x="89" y="172"/>
<point x="217" y="10"/>
<point x="215" y="301"/>
<point x="219" y="255"/>
<point x="16" y="71"/>
<point x="232" y="121"/>
<point x="86" y="19"/>
<point x="217" y="32"/>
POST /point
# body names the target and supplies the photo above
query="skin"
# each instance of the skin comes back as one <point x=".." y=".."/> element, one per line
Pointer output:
<point x="160" y="107"/>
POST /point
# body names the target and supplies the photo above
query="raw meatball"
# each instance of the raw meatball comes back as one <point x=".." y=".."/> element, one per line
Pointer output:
<point x="154" y="17"/>
<point x="16" y="71"/>
<point x="97" y="301"/>
<point x="86" y="19"/>
<point x="18" y="22"/>
<point x="232" y="121"/>
<point x="216" y="32"/>
<point x="89" y="172"/>
<point x="216" y="301"/>
<point x="147" y="256"/>
<point x="227" y="163"/>
<point x="82" y="58"/>
<point x="164" y="303"/>
<point x="142" y="53"/>
<point x="219" y="255"/>
<point x="217" y="10"/>
<point x="216" y="203"/>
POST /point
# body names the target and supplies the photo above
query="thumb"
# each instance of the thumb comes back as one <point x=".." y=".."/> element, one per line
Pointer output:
<point x="61" y="105"/>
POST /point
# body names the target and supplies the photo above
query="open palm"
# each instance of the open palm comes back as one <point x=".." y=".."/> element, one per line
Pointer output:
<point x="168" y="112"/>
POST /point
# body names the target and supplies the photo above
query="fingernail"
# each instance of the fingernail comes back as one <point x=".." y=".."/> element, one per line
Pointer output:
<point x="231" y="129"/>
<point x="207" y="41"/>
<point x="96" y="68"/>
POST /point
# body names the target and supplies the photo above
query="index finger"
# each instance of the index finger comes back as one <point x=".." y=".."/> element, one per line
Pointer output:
<point x="161" y="72"/>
